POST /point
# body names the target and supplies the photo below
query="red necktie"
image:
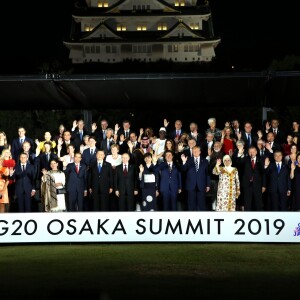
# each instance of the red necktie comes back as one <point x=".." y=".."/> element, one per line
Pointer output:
<point x="252" y="163"/>
<point x="77" y="169"/>
<point x="125" y="170"/>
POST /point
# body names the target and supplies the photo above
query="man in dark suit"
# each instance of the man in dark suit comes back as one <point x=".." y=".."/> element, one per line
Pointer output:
<point x="279" y="183"/>
<point x="76" y="178"/>
<point x="100" y="182"/>
<point x="24" y="176"/>
<point x="99" y="133"/>
<point x="197" y="180"/>
<point x="279" y="135"/>
<point x="125" y="131"/>
<point x="170" y="181"/>
<point x="271" y="146"/>
<point x="107" y="142"/>
<point x="62" y="144"/>
<point x="126" y="184"/>
<point x="89" y="154"/>
<point x="78" y="131"/>
<point x="194" y="133"/>
<point x="17" y="143"/>
<point x="253" y="179"/>
<point x="248" y="137"/>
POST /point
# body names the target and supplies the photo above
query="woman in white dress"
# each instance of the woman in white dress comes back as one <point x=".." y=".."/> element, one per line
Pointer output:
<point x="68" y="158"/>
<point x="228" y="186"/>
<point x="53" y="181"/>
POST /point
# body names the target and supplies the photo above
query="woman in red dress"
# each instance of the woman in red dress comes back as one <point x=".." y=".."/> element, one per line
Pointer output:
<point x="227" y="141"/>
<point x="4" y="173"/>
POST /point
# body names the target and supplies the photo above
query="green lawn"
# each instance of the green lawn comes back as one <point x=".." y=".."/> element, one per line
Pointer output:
<point x="150" y="271"/>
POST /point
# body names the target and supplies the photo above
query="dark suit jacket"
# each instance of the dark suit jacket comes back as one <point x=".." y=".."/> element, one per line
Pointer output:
<point x="103" y="146"/>
<point x="100" y="182"/>
<point x="169" y="181"/>
<point x="124" y="183"/>
<point x="280" y="137"/>
<point x="25" y="181"/>
<point x="87" y="158"/>
<point x="278" y="182"/>
<point x="74" y="181"/>
<point x="76" y="138"/>
<point x="63" y="150"/>
<point x="196" y="180"/>
<point x="172" y="133"/>
<point x="16" y="147"/>
<point x="253" y="140"/>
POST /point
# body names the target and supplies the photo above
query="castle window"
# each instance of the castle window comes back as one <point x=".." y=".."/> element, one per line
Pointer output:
<point x="88" y="27"/>
<point x="162" y="26"/>
<point x="194" y="26"/>
<point x="141" y="27"/>
<point x="102" y="3"/>
<point x="121" y="27"/>
<point x="179" y="3"/>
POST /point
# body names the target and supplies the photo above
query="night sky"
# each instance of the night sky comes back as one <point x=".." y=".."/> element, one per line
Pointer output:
<point x="252" y="34"/>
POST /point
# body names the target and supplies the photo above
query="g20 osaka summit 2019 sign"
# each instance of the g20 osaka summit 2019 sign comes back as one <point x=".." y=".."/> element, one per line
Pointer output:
<point x="150" y="227"/>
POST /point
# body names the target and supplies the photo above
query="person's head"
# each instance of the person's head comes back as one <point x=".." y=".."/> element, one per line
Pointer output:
<point x="274" y="123"/>
<point x="3" y="138"/>
<point x="252" y="151"/>
<point x="23" y="158"/>
<point x="6" y="154"/>
<point x="217" y="146"/>
<point x="77" y="157"/>
<point x="162" y="133"/>
<point x="248" y="127"/>
<point x="132" y="137"/>
<point x="67" y="135"/>
<point x="21" y="131"/>
<point x="270" y="137"/>
<point x="100" y="155"/>
<point x="126" y="125"/>
<point x="149" y="132"/>
<point x="278" y="156"/>
<point x="295" y="125"/>
<point x="145" y="142"/>
<point x="212" y="122"/>
<point x="260" y="144"/>
<point x="61" y="128"/>
<point x="54" y="164"/>
<point x="235" y="124"/>
<point x="227" y="131"/>
<point x="289" y="139"/>
<point x="240" y="144"/>
<point x="298" y="159"/>
<point x="125" y="158"/>
<point x="193" y="127"/>
<point x="184" y="138"/>
<point x="86" y="139"/>
<point x="114" y="149"/>
<point x="294" y="149"/>
<point x="26" y="146"/>
<point x="92" y="142"/>
<point x="169" y="145"/>
<point x="196" y="151"/>
<point x="70" y="149"/>
<point x="227" y="161"/>
<point x="148" y="158"/>
<point x="47" y="146"/>
<point x="47" y="136"/>
<point x="109" y="133"/>
<point x="178" y="124"/>
<point x="192" y="143"/>
<point x="209" y="137"/>
<point x="104" y="124"/>
<point x="168" y="156"/>
<point x="80" y="124"/>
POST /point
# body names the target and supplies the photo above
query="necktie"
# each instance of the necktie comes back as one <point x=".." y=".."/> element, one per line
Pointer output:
<point x="48" y="156"/>
<point x="80" y="133"/>
<point x="177" y="133"/>
<point x="108" y="145"/>
<point x="248" y="139"/>
<point x="77" y="169"/>
<point x="21" y="141"/>
<point x="278" y="168"/>
<point x="252" y="163"/>
<point x="126" y="134"/>
<point x="125" y="170"/>
<point x="170" y="168"/>
<point x="92" y="151"/>
<point x="261" y="152"/>
<point x="196" y="164"/>
<point x="104" y="134"/>
<point x="99" y="167"/>
<point x="23" y="168"/>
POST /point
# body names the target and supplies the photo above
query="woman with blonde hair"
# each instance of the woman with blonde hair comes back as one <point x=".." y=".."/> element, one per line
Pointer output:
<point x="228" y="185"/>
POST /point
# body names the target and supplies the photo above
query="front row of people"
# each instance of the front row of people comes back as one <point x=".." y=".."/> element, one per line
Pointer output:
<point x="102" y="186"/>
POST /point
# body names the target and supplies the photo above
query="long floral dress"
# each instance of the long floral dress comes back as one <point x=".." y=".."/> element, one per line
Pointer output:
<point x="228" y="188"/>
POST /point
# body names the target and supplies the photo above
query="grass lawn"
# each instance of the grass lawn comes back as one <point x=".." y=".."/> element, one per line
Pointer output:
<point x="150" y="271"/>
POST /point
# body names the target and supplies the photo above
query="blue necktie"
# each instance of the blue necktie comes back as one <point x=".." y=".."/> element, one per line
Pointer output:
<point x="278" y="168"/>
<point x="99" y="167"/>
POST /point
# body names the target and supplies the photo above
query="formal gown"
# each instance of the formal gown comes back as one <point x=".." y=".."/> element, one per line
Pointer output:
<point x="296" y="189"/>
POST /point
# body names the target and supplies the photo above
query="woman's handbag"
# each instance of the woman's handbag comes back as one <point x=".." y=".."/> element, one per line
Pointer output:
<point x="61" y="191"/>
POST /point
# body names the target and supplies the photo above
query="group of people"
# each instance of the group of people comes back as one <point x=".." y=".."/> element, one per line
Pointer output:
<point x="119" y="169"/>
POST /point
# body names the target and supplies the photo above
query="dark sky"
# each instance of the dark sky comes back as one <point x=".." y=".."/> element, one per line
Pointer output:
<point x="253" y="33"/>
